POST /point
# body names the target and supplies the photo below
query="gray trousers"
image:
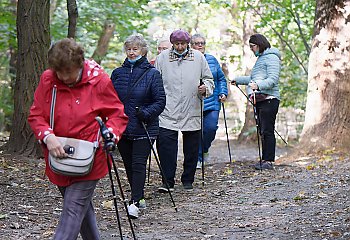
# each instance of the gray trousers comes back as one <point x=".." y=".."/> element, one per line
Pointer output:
<point x="78" y="214"/>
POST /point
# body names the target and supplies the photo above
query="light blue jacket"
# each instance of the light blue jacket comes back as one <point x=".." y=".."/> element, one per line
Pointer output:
<point x="212" y="102"/>
<point x="265" y="73"/>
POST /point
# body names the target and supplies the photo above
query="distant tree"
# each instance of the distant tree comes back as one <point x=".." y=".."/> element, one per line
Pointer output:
<point x="33" y="36"/>
<point x="327" y="119"/>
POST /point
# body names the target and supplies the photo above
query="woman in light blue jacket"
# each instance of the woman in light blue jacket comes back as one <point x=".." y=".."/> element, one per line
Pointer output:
<point x="263" y="81"/>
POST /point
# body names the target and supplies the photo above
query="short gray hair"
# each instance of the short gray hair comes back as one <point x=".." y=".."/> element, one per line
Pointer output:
<point x="197" y="35"/>
<point x="137" y="40"/>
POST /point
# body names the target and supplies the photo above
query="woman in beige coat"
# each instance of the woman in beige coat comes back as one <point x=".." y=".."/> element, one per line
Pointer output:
<point x="187" y="79"/>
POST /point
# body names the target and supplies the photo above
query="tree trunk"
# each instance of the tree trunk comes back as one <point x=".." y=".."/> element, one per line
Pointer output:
<point x="72" y="18"/>
<point x="33" y="34"/>
<point x="248" y="132"/>
<point x="327" y="117"/>
<point x="103" y="42"/>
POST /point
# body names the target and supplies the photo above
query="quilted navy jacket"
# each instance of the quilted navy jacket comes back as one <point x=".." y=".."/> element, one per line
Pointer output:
<point x="148" y="95"/>
<point x="212" y="102"/>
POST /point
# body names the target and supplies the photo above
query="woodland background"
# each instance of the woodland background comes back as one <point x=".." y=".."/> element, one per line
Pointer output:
<point x="311" y="35"/>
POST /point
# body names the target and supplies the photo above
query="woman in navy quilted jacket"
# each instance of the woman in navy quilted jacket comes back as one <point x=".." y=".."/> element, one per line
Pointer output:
<point x="263" y="81"/>
<point x="212" y="104"/>
<point x="140" y="87"/>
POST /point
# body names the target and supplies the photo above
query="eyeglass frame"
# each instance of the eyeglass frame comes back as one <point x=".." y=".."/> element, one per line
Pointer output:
<point x="199" y="43"/>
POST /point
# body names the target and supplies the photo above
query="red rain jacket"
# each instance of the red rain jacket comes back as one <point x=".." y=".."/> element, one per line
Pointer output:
<point x="75" y="112"/>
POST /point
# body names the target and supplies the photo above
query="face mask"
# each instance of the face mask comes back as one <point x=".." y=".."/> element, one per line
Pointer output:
<point x="257" y="53"/>
<point x="135" y="60"/>
<point x="182" y="54"/>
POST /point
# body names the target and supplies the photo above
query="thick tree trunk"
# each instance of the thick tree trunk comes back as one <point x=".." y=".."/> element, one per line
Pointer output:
<point x="103" y="42"/>
<point x="248" y="132"/>
<point x="327" y="118"/>
<point x="33" y="35"/>
<point x="72" y="18"/>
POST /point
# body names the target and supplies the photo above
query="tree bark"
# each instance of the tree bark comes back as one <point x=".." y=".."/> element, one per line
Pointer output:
<point x="249" y="128"/>
<point x="103" y="42"/>
<point x="327" y="117"/>
<point x="33" y="34"/>
<point x="72" y="18"/>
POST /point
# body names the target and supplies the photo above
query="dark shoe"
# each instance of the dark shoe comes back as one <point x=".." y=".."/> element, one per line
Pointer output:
<point x="164" y="189"/>
<point x="187" y="186"/>
<point x="265" y="165"/>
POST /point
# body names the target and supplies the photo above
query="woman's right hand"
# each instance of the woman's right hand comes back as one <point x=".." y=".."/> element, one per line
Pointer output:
<point x="54" y="146"/>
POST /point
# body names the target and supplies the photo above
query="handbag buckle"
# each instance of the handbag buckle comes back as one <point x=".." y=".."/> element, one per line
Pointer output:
<point x="69" y="149"/>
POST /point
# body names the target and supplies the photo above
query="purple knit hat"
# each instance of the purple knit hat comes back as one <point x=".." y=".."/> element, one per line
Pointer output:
<point x="180" y="35"/>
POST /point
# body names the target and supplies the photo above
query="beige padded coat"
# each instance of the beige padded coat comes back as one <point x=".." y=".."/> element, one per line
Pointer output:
<point x="181" y="78"/>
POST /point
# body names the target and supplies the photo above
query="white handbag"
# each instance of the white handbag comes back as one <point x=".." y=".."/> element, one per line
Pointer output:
<point x="81" y="153"/>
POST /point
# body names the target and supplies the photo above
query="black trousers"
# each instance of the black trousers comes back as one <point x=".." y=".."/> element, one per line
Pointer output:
<point x="134" y="154"/>
<point x="167" y="147"/>
<point x="267" y="111"/>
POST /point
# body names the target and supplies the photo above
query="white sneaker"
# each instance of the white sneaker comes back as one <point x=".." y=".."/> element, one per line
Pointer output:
<point x="199" y="165"/>
<point x="133" y="211"/>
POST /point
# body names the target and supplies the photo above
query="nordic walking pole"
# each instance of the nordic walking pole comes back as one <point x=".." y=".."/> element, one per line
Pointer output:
<point x="114" y="196"/>
<point x="109" y="147"/>
<point x="157" y="160"/>
<point x="257" y="128"/>
<point x="228" y="142"/>
<point x="149" y="168"/>
<point x="201" y="135"/>
<point x="253" y="104"/>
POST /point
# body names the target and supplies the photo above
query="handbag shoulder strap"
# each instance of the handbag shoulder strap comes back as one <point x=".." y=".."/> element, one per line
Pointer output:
<point x="134" y="85"/>
<point x="52" y="114"/>
<point x="52" y="108"/>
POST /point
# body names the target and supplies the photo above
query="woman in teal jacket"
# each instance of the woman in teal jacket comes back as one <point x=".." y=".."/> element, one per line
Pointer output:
<point x="263" y="81"/>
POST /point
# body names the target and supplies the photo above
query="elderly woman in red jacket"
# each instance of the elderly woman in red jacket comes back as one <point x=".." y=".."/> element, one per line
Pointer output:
<point x="84" y="91"/>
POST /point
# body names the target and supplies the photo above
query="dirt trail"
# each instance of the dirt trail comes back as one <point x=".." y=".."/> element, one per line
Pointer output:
<point x="304" y="199"/>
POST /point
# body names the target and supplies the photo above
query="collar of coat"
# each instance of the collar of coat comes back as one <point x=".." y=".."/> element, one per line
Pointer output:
<point x="175" y="57"/>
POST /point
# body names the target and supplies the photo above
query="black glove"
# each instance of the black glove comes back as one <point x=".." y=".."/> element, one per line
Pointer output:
<point x="140" y="116"/>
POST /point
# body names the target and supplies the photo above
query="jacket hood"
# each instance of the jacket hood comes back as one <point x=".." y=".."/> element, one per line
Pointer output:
<point x="272" y="50"/>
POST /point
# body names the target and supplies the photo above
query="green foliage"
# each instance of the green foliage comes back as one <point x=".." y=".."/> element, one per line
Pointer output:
<point x="128" y="16"/>
<point x="289" y="26"/>
<point x="6" y="96"/>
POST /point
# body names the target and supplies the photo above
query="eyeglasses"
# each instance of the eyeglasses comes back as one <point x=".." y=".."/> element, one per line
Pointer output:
<point x="199" y="43"/>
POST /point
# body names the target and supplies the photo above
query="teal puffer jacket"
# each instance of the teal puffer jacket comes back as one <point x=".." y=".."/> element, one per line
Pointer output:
<point x="265" y="73"/>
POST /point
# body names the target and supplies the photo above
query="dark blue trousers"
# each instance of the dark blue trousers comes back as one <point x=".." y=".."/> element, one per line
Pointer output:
<point x="135" y="154"/>
<point x="210" y="126"/>
<point x="167" y="147"/>
<point x="267" y="111"/>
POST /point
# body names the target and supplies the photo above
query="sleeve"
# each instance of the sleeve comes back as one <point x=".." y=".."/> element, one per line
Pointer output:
<point x="158" y="94"/>
<point x="243" y="80"/>
<point x="222" y="83"/>
<point x="273" y="66"/>
<point x="207" y="77"/>
<point x="113" y="110"/>
<point x="39" y="115"/>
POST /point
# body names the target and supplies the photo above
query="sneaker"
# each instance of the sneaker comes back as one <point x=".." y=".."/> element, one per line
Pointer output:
<point x="142" y="204"/>
<point x="164" y="189"/>
<point x="265" y="165"/>
<point x="133" y="211"/>
<point x="199" y="165"/>
<point x="187" y="186"/>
